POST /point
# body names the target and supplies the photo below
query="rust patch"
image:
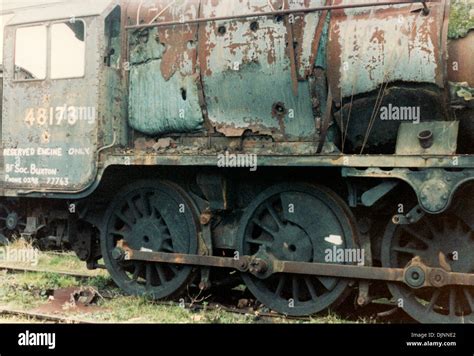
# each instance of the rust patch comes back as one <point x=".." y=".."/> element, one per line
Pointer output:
<point x="180" y="45"/>
<point x="71" y="300"/>
<point x="368" y="47"/>
<point x="460" y="68"/>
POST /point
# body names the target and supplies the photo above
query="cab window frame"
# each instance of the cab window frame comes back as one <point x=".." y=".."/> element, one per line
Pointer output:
<point x="49" y="26"/>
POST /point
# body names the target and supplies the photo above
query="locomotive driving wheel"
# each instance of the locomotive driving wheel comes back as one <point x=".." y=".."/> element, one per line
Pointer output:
<point x="156" y="216"/>
<point x="11" y="224"/>
<point x="439" y="241"/>
<point x="296" y="222"/>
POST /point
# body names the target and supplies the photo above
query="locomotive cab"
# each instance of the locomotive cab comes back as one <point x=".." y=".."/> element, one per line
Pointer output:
<point x="59" y="63"/>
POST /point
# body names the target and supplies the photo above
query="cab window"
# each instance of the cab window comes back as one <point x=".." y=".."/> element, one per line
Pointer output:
<point x="68" y="50"/>
<point x="30" y="53"/>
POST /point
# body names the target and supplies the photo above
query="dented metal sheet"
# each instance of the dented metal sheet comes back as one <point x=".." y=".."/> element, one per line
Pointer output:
<point x="247" y="56"/>
<point x="164" y="78"/>
<point x="369" y="47"/>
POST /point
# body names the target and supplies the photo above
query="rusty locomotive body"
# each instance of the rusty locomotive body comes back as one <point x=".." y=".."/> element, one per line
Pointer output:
<point x="317" y="147"/>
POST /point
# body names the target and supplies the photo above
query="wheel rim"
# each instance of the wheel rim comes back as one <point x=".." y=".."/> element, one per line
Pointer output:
<point x="298" y="236"/>
<point x="435" y="240"/>
<point x="153" y="216"/>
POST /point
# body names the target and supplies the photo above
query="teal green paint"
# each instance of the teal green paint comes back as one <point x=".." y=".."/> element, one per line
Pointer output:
<point x="321" y="59"/>
<point x="157" y="105"/>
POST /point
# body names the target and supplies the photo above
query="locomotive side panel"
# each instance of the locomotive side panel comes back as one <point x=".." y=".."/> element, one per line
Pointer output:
<point x="51" y="113"/>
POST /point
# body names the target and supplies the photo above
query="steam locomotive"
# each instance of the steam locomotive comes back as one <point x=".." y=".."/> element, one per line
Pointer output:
<point x="321" y="149"/>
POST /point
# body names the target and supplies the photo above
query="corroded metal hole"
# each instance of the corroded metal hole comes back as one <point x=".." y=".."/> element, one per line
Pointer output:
<point x="278" y="110"/>
<point x="254" y="26"/>
<point x="221" y="30"/>
<point x="184" y="94"/>
<point x="278" y="18"/>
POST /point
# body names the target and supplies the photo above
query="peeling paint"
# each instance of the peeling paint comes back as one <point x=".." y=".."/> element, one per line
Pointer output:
<point x="368" y="47"/>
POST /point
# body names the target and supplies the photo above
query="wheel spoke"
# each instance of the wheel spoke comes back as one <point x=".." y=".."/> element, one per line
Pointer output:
<point x="148" y="275"/>
<point x="123" y="218"/>
<point x="295" y="288"/>
<point x="327" y="282"/>
<point x="452" y="301"/>
<point x="167" y="245"/>
<point x="310" y="287"/>
<point x="468" y="296"/>
<point x="411" y="251"/>
<point x="263" y="227"/>
<point x="161" y="273"/>
<point x="274" y="215"/>
<point x="433" y="300"/>
<point x="281" y="284"/>
<point x="416" y="234"/>
<point x="133" y="208"/>
<point x="259" y="242"/>
<point x="145" y="204"/>
<point x="138" y="269"/>
<point x="119" y="232"/>
<point x="174" y="269"/>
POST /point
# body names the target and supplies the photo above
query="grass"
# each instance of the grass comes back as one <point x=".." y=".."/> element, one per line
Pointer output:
<point x="461" y="18"/>
<point x="53" y="261"/>
<point x="29" y="290"/>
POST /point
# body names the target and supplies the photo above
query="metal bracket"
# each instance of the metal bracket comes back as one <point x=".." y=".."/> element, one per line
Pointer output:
<point x="434" y="187"/>
<point x="411" y="217"/>
<point x="371" y="196"/>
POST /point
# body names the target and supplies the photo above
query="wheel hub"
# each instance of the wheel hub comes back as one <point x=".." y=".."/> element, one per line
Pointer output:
<point x="11" y="221"/>
<point x="146" y="233"/>
<point x="292" y="243"/>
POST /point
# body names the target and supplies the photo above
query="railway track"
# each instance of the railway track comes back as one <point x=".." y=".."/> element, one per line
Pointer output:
<point x="43" y="316"/>
<point x="191" y="306"/>
<point x="194" y="306"/>
<point x="44" y="270"/>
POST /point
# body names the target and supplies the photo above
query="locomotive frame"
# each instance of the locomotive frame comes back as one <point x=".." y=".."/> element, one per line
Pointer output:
<point x="158" y="209"/>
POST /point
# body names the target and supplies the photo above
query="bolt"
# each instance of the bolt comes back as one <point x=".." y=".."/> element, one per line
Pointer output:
<point x="361" y="301"/>
<point x="258" y="266"/>
<point x="204" y="285"/>
<point x="243" y="265"/>
<point x="118" y="254"/>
